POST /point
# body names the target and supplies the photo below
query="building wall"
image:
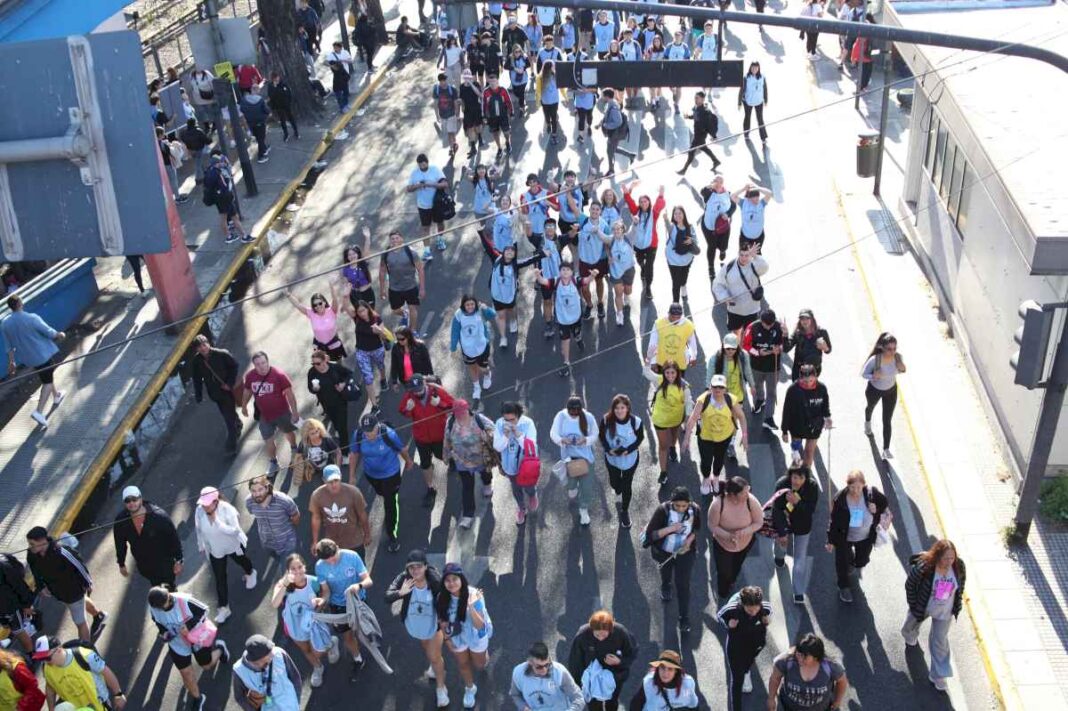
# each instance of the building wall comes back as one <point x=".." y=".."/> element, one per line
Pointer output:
<point x="971" y="256"/>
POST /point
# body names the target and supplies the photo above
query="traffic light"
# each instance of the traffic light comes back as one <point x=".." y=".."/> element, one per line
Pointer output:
<point x="1029" y="360"/>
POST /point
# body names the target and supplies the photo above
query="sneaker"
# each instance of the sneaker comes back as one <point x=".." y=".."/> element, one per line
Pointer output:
<point x="867" y="427"/>
<point x="439" y="244"/>
<point x="430" y="673"/>
<point x="487" y="491"/>
<point x="520" y="517"/>
<point x="665" y="593"/>
<point x="799" y="599"/>
<point x="682" y="293"/>
<point x="334" y="653"/>
<point x="443" y="696"/>
<point x="181" y="199"/>
<point x="39" y="418"/>
<point x="503" y="343"/>
<point x="939" y="682"/>
<point x="267" y="151"/>
<point x="317" y="676"/>
<point x="58" y="398"/>
<point x="795" y="458"/>
<point x="197" y="703"/>
<point x="405" y="318"/>
<point x="476" y="392"/>
<point x="248" y="239"/>
<point x="532" y="503"/>
<point x="222" y="615"/>
<point x="466" y="522"/>
<point x="565" y="371"/>
<point x="758" y="406"/>
<point x="684" y="625"/>
<point x="673" y="455"/>
<point x="513" y="327"/>
<point x="624" y="519"/>
<point x="487" y="380"/>
<point x="100" y="621"/>
<point x="469" y="696"/>
<point x="429" y="497"/>
<point x="747" y="684"/>
<point x="250" y="580"/>
<point x="273" y="468"/>
<point x="357" y="667"/>
<point x="584" y="517"/>
<point x="262" y="159"/>
<point x="224" y="656"/>
<point x="600" y="310"/>
<point x="619" y="319"/>
<point x="231" y="238"/>
<point x="393" y="546"/>
<point x="887" y="454"/>
<point x="769" y="424"/>
<point x="428" y="255"/>
<point x="911" y="640"/>
<point x="845" y="595"/>
<point x="780" y="562"/>
<point x="662" y="479"/>
<point x="548" y="332"/>
<point x="580" y="343"/>
<point x="587" y="312"/>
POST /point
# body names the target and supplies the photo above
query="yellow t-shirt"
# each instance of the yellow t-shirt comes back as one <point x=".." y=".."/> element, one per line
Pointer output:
<point x="717" y="423"/>
<point x="671" y="340"/>
<point x="669" y="405"/>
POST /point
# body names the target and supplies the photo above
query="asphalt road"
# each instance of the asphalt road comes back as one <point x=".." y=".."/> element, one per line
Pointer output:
<point x="543" y="580"/>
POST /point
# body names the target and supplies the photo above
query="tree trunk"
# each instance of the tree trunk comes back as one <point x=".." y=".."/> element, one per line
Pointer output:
<point x="279" y="26"/>
<point x="373" y="9"/>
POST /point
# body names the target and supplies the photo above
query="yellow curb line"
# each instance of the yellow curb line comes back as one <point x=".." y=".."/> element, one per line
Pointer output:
<point x="996" y="668"/>
<point x="115" y="442"/>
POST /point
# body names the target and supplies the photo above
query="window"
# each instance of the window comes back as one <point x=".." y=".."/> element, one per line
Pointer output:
<point x="945" y="176"/>
<point x="961" y="217"/>
<point x="957" y="185"/>
<point x="932" y="132"/>
<point x="940" y="148"/>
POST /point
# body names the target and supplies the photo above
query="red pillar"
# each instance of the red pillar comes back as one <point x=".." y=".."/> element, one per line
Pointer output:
<point x="172" y="272"/>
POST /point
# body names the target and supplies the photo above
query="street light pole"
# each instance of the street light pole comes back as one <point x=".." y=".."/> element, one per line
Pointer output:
<point x="340" y="4"/>
<point x="884" y="115"/>
<point x="224" y="95"/>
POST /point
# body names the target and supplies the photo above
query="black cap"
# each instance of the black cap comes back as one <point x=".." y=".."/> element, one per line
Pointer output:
<point x="417" y="555"/>
<point x="257" y="647"/>
<point x="368" y="423"/>
<point x="416" y="382"/>
<point x="37" y="533"/>
<point x="675" y="309"/>
<point x="681" y="493"/>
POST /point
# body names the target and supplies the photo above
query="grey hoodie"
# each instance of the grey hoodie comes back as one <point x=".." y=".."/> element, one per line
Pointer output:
<point x="556" y="691"/>
<point x="254" y="108"/>
<point x="730" y="287"/>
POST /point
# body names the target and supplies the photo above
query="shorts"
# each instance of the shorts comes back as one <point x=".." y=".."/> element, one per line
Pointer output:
<point x="269" y="427"/>
<point x="368" y="361"/>
<point x="46" y="371"/>
<point x="601" y="267"/>
<point x="736" y="321"/>
<point x="472" y="119"/>
<point x="427" y="451"/>
<point x="426" y="216"/>
<point x="497" y="123"/>
<point x="182" y="661"/>
<point x="335" y="349"/>
<point x="398" y="299"/>
<point x="479" y="647"/>
<point x="570" y="329"/>
<point x="498" y="305"/>
<point x="77" y="611"/>
<point x="548" y="291"/>
<point x="450" y="125"/>
<point x="339" y="629"/>
<point x="745" y="242"/>
<point x="226" y="206"/>
<point x="626" y="280"/>
<point x="482" y="360"/>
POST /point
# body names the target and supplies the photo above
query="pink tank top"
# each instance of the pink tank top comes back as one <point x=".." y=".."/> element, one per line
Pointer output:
<point x="324" y="325"/>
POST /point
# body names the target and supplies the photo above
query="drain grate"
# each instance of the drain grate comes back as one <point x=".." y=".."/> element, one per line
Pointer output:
<point x="887" y="231"/>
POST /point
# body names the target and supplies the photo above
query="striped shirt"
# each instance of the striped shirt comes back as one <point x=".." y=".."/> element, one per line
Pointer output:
<point x="274" y="523"/>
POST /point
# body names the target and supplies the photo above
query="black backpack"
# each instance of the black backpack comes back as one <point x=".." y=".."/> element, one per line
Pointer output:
<point x="444" y="207"/>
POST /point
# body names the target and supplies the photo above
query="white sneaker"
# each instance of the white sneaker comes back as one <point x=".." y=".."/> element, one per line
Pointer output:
<point x="334" y="653"/>
<point x="39" y="418"/>
<point x="939" y="682"/>
<point x="487" y="379"/>
<point x="476" y="392"/>
<point x="57" y="398"/>
<point x="250" y="580"/>
<point x="443" y="697"/>
<point x="466" y="522"/>
<point x="513" y="327"/>
<point x="317" y="677"/>
<point x="747" y="684"/>
<point x="430" y="672"/>
<point x="469" y="696"/>
<point x="887" y="454"/>
<point x="503" y="343"/>
<point x="682" y="292"/>
<point x="619" y="318"/>
<point x="796" y="458"/>
<point x="867" y="427"/>
<point x="584" y="517"/>
<point x="222" y="615"/>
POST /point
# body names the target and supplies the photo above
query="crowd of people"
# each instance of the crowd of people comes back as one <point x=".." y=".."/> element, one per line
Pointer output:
<point x="580" y="233"/>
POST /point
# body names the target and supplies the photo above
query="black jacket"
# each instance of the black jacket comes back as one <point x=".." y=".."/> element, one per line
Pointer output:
<point x="805" y="351"/>
<point x="194" y="139"/>
<point x="705" y="123"/>
<point x="364" y="33"/>
<point x="838" y="528"/>
<point x="660" y="520"/>
<point x="15" y="594"/>
<point x="328" y="394"/>
<point x="585" y="648"/>
<point x="798" y="521"/>
<point x="433" y="582"/>
<point x="803" y="411"/>
<point x="279" y="97"/>
<point x="420" y="361"/>
<point x="216" y="369"/>
<point x="61" y="570"/>
<point x="751" y="632"/>
<point x="919" y="583"/>
<point x="156" y="549"/>
<point x="511" y="36"/>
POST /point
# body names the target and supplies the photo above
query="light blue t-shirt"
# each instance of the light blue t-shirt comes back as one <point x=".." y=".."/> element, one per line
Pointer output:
<point x="673" y="257"/>
<point x="30" y="337"/>
<point x="502" y="231"/>
<point x="585" y="100"/>
<point x="550" y="265"/>
<point x="622" y="258"/>
<point x="422" y="620"/>
<point x="483" y="200"/>
<point x="591" y="248"/>
<point x="549" y="93"/>
<point x="752" y="218"/>
<point x="338" y="576"/>
<point x="603" y="35"/>
<point x="424" y="197"/>
<point x="676" y="52"/>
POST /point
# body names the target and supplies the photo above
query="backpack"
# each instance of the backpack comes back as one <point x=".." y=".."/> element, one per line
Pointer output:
<point x="407" y="251"/>
<point x="387" y="429"/>
<point x="444" y="207"/>
<point x="769" y="528"/>
<point x="217" y="184"/>
<point x="704" y="406"/>
<point x="76" y="646"/>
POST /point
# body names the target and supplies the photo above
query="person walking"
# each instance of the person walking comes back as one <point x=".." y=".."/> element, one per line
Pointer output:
<point x="469" y="451"/>
<point x="745" y="615"/>
<point x="705" y="127"/>
<point x="446" y="100"/>
<point x="276" y="515"/>
<point x="806" y="411"/>
<point x="176" y="615"/>
<point x="219" y="190"/>
<point x="616" y="129"/>
<point x="881" y="371"/>
<point x="738" y="285"/>
<point x="812" y="9"/>
<point x="733" y="522"/>
<point x="339" y="512"/>
<point x="32" y="342"/>
<point x="752" y="202"/>
<point x="417" y="587"/>
<point x="679" y="249"/>
<point x="425" y="181"/>
<point x="717" y="419"/>
<point x="934" y="588"/>
<point x="219" y="536"/>
<point x="855" y="513"/>
<point x="371" y="339"/>
<point x="217" y="370"/>
<point x="340" y="63"/>
<point x="567" y="308"/>
<point x="753" y="94"/>
<point x="549" y="95"/>
<point x="861" y="54"/>
<point x="340" y="571"/>
<point x="733" y="363"/>
<point x="809" y="343"/>
<point x="144" y="530"/>
<point x="59" y="572"/>
<point x="19" y="688"/>
<point x="671" y="535"/>
<point x="673" y="339"/>
<point x="322" y="316"/>
<point x="716" y="222"/>
<point x="316" y="451"/>
<point x="408" y="357"/>
<point x="78" y="675"/>
<point x="463" y="617"/>
<point x="378" y="447"/>
<point x="601" y="646"/>
<point x="621" y="434"/>
<point x="275" y="405"/>
<point x="365" y="36"/>
<point x="805" y="678"/>
<point x="645" y="214"/>
<point x="496" y="111"/>
<point x="356" y="274"/>
<point x="297" y="594"/>
<point x="280" y="99"/>
<point x="793" y="506"/>
<point x="426" y="405"/>
<point x="515" y="437"/>
<point x="333" y="386"/>
<point x="593" y="257"/>
<point x="406" y="273"/>
<point x="574" y="430"/>
<point x="504" y="288"/>
<point x="197" y="142"/>
<point x="17" y="599"/>
<point x="266" y="675"/>
<point x="763" y="341"/>
<point x="667" y="686"/>
<point x="256" y="113"/>
<point x="671" y="403"/>
<point x="544" y="684"/>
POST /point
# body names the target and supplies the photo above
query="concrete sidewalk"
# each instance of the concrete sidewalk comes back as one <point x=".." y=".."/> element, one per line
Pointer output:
<point x="43" y="470"/>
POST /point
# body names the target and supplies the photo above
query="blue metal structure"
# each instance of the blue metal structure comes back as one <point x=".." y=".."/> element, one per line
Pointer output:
<point x="25" y="20"/>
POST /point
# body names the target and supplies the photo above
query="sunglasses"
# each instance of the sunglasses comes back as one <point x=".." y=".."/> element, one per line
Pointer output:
<point x="318" y="303"/>
<point x="131" y="499"/>
<point x="718" y="387"/>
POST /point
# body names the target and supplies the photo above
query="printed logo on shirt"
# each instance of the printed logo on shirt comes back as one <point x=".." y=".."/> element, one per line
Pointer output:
<point x="261" y="388"/>
<point x="336" y="514"/>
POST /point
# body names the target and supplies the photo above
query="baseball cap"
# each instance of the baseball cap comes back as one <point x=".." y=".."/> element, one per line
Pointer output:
<point x="416" y="382"/>
<point x="368" y="423"/>
<point x="208" y="496"/>
<point x="416" y="555"/>
<point x="131" y="492"/>
<point x="460" y="405"/>
<point x="257" y="647"/>
<point x="719" y="380"/>
<point x="452" y="569"/>
<point x="730" y="341"/>
<point x="331" y="472"/>
<point x="675" y="309"/>
<point x="805" y="313"/>
<point x="44" y="647"/>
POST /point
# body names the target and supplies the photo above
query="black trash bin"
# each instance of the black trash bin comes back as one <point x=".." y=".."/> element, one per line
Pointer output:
<point x="867" y="153"/>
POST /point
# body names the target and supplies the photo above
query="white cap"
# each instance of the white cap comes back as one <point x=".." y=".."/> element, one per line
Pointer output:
<point x="730" y="341"/>
<point x="718" y="381"/>
<point x="131" y="491"/>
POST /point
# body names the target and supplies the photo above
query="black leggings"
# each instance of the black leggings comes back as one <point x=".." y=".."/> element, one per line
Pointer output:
<point x="646" y="259"/>
<point x="713" y="455"/>
<point x="699" y="144"/>
<point x="889" y="397"/>
<point x="622" y="481"/>
<point x="810" y="42"/>
<point x="678" y="568"/>
<point x="679" y="275"/>
<point x="728" y="566"/>
<point x="218" y="569"/>
<point x="741" y="653"/>
<point x="389" y="490"/>
<point x="760" y="120"/>
<point x="338" y="414"/>
<point x="467" y="489"/>
<point x="519" y="91"/>
<point x="851" y="554"/>
<point x="552" y="120"/>
<point x="585" y="120"/>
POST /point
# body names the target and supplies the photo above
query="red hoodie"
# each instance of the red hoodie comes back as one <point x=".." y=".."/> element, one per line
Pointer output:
<point x="658" y="207"/>
<point x="428" y="420"/>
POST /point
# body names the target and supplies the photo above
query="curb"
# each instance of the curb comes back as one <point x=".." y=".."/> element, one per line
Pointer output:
<point x="111" y="449"/>
<point x="997" y="670"/>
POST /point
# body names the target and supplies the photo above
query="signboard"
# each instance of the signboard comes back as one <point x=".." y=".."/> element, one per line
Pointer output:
<point x="239" y="45"/>
<point x="225" y="70"/>
<point x="659" y="73"/>
<point x="79" y="164"/>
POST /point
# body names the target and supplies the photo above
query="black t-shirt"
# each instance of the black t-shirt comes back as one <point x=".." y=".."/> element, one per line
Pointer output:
<point x="320" y="454"/>
<point x="471" y="97"/>
<point x="366" y="339"/>
<point x="764" y="338"/>
<point x="335" y="375"/>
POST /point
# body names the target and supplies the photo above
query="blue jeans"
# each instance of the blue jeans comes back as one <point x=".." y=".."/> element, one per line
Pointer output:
<point x="342" y="98"/>
<point x="200" y="158"/>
